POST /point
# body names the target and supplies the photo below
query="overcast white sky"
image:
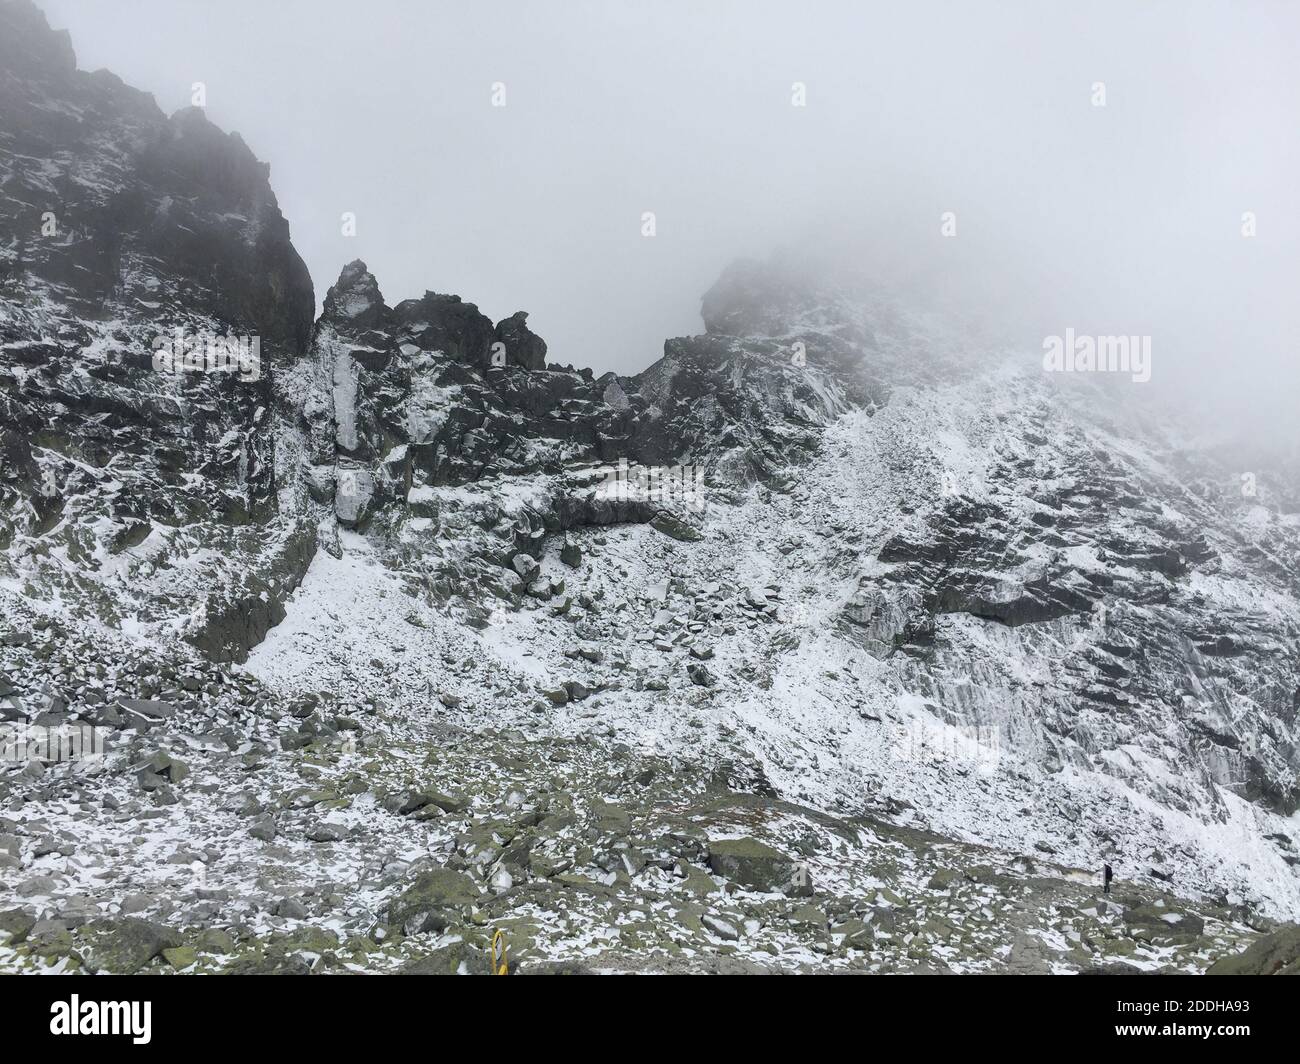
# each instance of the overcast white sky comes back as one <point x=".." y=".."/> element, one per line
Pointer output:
<point x="1121" y="219"/>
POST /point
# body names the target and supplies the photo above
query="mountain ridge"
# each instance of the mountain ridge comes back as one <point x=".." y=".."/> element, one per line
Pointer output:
<point x="380" y="651"/>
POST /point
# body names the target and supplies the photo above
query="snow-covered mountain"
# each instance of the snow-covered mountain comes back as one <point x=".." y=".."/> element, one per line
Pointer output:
<point x="837" y="637"/>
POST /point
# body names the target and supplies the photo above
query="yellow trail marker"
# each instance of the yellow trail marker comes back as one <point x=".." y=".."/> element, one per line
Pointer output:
<point x="499" y="962"/>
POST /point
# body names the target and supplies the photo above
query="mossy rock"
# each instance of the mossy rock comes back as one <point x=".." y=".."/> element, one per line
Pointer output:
<point x="638" y="935"/>
<point x="15" y="925"/>
<point x="1162" y="926"/>
<point x="432" y="902"/>
<point x="808" y="917"/>
<point x="180" y="956"/>
<point x="272" y="961"/>
<point x="856" y="935"/>
<point x="123" y="947"/>
<point x="1274" y="954"/>
<point x="214" y="940"/>
<point x="751" y="864"/>
<point x="583" y="883"/>
<point x="674" y="528"/>
<point x="697" y="881"/>
<point x="51" y="946"/>
<point x="459" y="958"/>
<point x="555" y="968"/>
<point x="519" y="933"/>
<point x="688" y="918"/>
<point x="309" y="940"/>
<point x="611" y="817"/>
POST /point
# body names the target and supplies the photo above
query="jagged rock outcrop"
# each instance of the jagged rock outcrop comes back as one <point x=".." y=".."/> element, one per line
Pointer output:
<point x="148" y="295"/>
<point x="406" y="398"/>
<point x="520" y="346"/>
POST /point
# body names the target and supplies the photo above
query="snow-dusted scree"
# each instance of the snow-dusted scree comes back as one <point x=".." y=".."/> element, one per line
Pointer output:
<point x="342" y="642"/>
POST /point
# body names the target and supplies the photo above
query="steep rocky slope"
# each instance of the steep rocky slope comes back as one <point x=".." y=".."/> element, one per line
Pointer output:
<point x="120" y="230"/>
<point x="835" y="638"/>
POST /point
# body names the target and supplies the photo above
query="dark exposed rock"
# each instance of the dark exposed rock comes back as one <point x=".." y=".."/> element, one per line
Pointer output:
<point x="523" y="347"/>
<point x="700" y="675"/>
<point x="674" y="527"/>
<point x="130" y="228"/>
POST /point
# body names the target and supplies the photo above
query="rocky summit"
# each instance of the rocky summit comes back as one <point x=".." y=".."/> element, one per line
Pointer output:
<point x="833" y="640"/>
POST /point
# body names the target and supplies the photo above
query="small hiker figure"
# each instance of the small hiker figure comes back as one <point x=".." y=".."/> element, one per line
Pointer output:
<point x="1108" y="875"/>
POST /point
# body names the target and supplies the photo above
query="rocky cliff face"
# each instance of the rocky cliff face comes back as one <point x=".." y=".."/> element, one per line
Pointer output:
<point x="829" y="634"/>
<point x="125" y="235"/>
<point x="428" y="393"/>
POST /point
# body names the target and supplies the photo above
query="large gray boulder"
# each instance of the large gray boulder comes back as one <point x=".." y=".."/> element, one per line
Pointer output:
<point x="123" y="947"/>
<point x="757" y="866"/>
<point x="436" y="900"/>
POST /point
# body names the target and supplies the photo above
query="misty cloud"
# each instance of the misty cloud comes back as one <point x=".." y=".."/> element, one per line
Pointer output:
<point x="977" y="120"/>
